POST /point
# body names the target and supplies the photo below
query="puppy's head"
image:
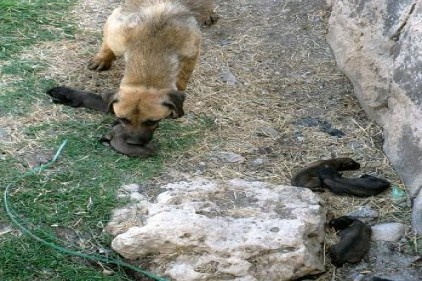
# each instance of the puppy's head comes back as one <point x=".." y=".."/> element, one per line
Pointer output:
<point x="341" y="222"/>
<point x="344" y="164"/>
<point x="140" y="110"/>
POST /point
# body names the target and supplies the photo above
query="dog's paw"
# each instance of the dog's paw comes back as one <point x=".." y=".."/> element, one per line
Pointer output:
<point x="66" y="96"/>
<point x="98" y="63"/>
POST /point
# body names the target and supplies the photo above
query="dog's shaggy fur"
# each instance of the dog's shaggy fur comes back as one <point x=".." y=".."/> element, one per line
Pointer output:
<point x="160" y="41"/>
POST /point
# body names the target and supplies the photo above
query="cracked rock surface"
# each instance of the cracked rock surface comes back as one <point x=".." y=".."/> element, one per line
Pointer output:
<point x="224" y="230"/>
<point x="377" y="44"/>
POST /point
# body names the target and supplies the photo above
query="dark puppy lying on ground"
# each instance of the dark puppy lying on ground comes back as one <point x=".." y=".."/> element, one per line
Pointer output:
<point x="77" y="98"/>
<point x="364" y="186"/>
<point x="308" y="177"/>
<point x="115" y="138"/>
<point x="355" y="237"/>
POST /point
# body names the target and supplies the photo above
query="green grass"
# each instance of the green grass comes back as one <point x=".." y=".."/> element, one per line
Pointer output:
<point x="21" y="261"/>
<point x="80" y="189"/>
<point x="25" y="23"/>
<point x="70" y="203"/>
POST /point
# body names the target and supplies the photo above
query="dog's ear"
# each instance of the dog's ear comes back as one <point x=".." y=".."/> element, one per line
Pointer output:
<point x="109" y="98"/>
<point x="175" y="101"/>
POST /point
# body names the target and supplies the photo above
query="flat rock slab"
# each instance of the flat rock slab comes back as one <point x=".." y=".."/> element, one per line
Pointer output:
<point x="228" y="230"/>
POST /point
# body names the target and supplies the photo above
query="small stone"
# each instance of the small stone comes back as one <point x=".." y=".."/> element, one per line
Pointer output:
<point x="198" y="172"/>
<point x="122" y="195"/>
<point x="354" y="144"/>
<point x="269" y="133"/>
<point x="108" y="272"/>
<point x="131" y="187"/>
<point x="228" y="157"/>
<point x="136" y="196"/>
<point x="257" y="162"/>
<point x="391" y="232"/>
<point x="364" y="213"/>
<point x="228" y="77"/>
<point x="225" y="42"/>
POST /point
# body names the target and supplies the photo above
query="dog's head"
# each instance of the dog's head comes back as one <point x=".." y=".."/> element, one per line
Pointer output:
<point x="345" y="164"/>
<point x="140" y="110"/>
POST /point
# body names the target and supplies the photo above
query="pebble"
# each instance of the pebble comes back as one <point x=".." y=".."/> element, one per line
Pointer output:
<point x="136" y="196"/>
<point x="391" y="232"/>
<point x="228" y="157"/>
<point x="269" y="133"/>
<point x="228" y="77"/>
<point x="364" y="213"/>
<point x="257" y="162"/>
<point x="131" y="187"/>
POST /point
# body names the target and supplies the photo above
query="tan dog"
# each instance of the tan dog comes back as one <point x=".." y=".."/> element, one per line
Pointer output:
<point x="160" y="41"/>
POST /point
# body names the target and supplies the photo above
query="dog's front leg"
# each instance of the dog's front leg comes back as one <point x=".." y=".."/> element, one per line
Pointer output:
<point x="186" y="69"/>
<point x="76" y="98"/>
<point x="103" y="59"/>
<point x="114" y="42"/>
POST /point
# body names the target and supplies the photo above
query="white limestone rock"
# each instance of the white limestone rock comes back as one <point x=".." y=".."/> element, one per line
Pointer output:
<point x="234" y="230"/>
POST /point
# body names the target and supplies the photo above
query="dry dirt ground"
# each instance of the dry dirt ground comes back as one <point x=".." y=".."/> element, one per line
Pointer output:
<point x="269" y="83"/>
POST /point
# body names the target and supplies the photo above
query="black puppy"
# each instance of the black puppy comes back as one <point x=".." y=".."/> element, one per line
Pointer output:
<point x="76" y="98"/>
<point x="354" y="241"/>
<point x="364" y="186"/>
<point x="115" y="138"/>
<point x="308" y="176"/>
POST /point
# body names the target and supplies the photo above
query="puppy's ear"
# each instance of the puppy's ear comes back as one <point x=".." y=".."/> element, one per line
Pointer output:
<point x="175" y="101"/>
<point x="109" y="98"/>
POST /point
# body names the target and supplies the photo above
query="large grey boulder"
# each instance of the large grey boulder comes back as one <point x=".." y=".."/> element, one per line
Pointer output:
<point x="232" y="230"/>
<point x="378" y="45"/>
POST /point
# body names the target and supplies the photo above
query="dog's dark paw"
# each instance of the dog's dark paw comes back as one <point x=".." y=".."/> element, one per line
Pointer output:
<point x="66" y="96"/>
